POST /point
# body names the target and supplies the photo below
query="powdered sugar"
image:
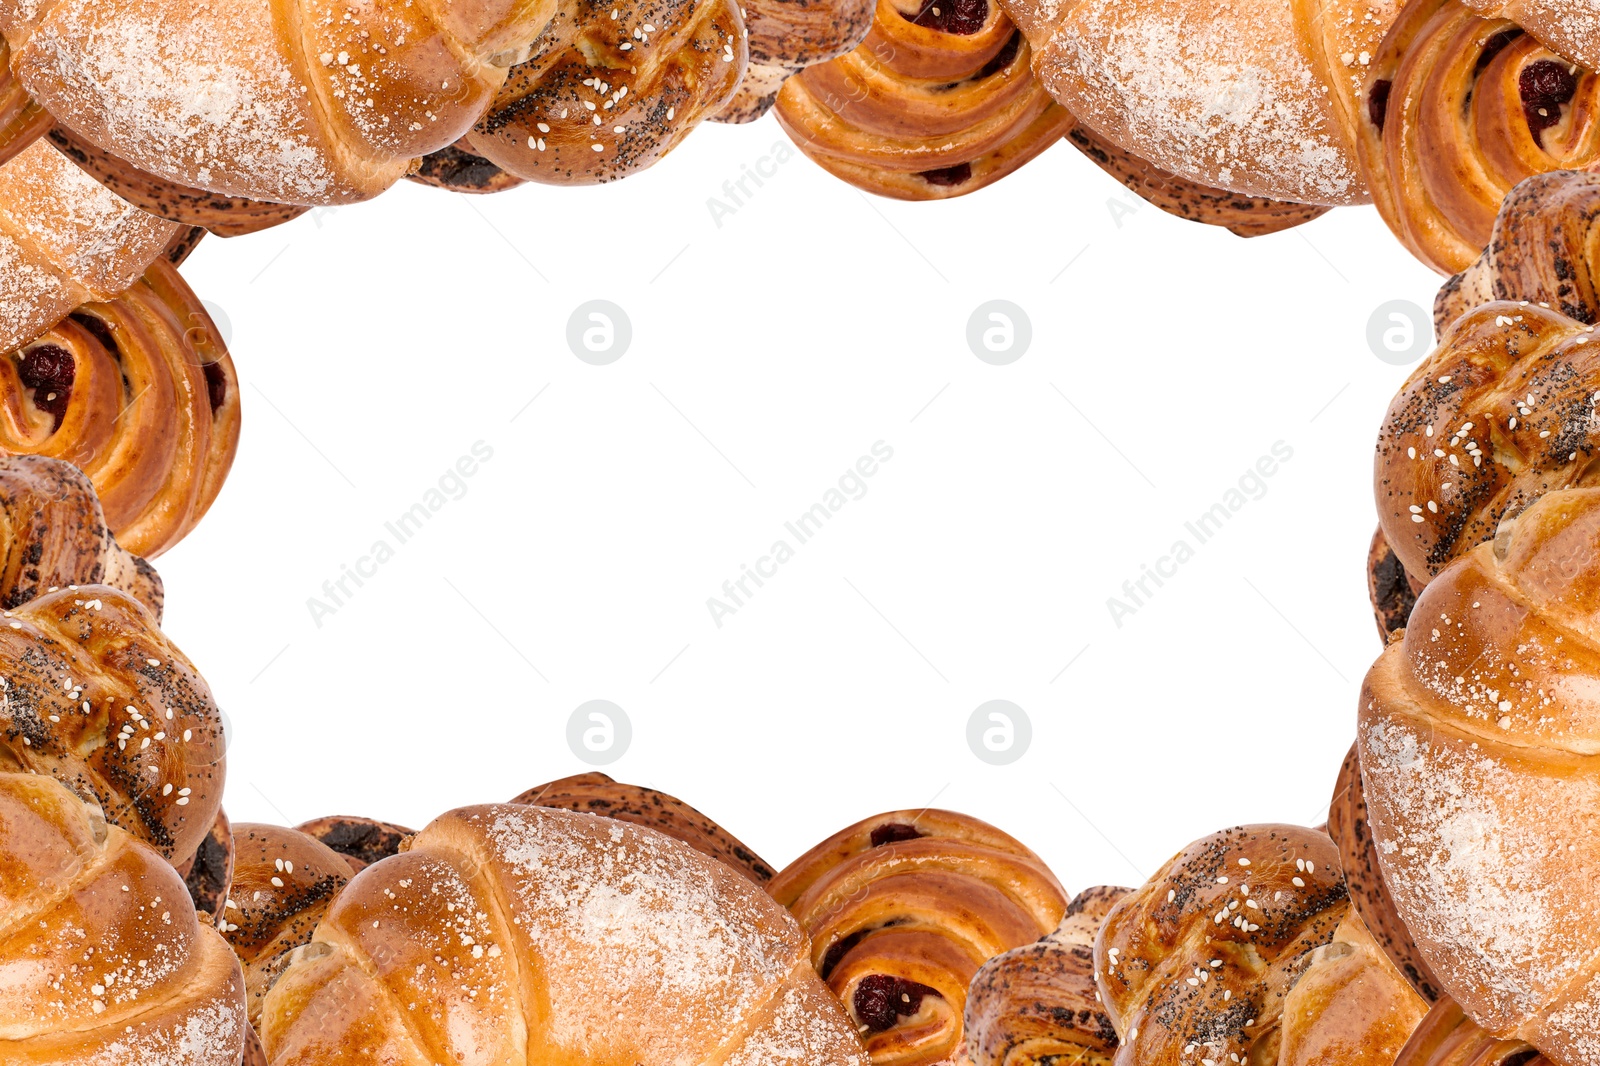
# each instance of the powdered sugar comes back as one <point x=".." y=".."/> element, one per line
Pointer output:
<point x="212" y="1035"/>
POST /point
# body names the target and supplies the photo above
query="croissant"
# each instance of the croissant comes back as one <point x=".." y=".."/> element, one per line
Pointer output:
<point x="522" y="934"/>
<point x="1037" y="1005"/>
<point x="595" y="793"/>
<point x="938" y="101"/>
<point x="64" y="241"/>
<point x="53" y="534"/>
<point x="902" y="910"/>
<point x="1501" y="413"/>
<point x="1542" y="250"/>
<point x="139" y="392"/>
<point x="612" y="87"/>
<point x="1462" y="108"/>
<point x="1261" y="99"/>
<point x="98" y="698"/>
<point x="1244" y="948"/>
<point x="306" y="102"/>
<point x="106" y="963"/>
<point x="786" y="36"/>
<point x="1477" y="734"/>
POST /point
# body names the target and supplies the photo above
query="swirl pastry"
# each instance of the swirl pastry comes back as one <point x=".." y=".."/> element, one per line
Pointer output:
<point x="105" y="961"/>
<point x="595" y="793"/>
<point x="1542" y="249"/>
<point x="526" y="934"/>
<point x="1571" y="27"/>
<point x="1461" y="109"/>
<point x="611" y="88"/>
<point x="786" y="36"/>
<point x="1478" y="737"/>
<point x="1502" y="412"/>
<point x="1447" y="1037"/>
<point x="98" y="698"/>
<point x="1243" y="949"/>
<point x="903" y="909"/>
<point x="1038" y="1005"/>
<point x="938" y="101"/>
<point x="53" y="534"/>
<point x="141" y="394"/>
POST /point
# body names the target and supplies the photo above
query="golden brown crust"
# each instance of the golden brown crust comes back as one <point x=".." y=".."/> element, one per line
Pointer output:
<point x="209" y="872"/>
<point x="360" y="841"/>
<point x="1347" y="825"/>
<point x="283" y="883"/>
<point x="603" y="97"/>
<point x="98" y="698"/>
<point x="1447" y="1037"/>
<point x="226" y="216"/>
<point x="929" y="106"/>
<point x="254" y="1053"/>
<point x="1391" y="590"/>
<point x="786" y="36"/>
<point x="1501" y="413"/>
<point x="456" y="169"/>
<point x="139" y="392"/>
<point x="1243" y="948"/>
<point x="902" y="909"/>
<point x="107" y="963"/>
<point x="22" y="120"/>
<point x="1571" y="27"/>
<point x="1449" y="131"/>
<point x="1479" y="733"/>
<point x="1246" y="216"/>
<point x="524" y="932"/>
<point x="54" y="534"/>
<point x="595" y="793"/>
<point x="1542" y="250"/>
<point x="1038" y="1005"/>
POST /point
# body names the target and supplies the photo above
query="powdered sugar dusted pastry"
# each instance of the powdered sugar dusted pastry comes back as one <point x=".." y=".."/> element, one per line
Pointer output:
<point x="1571" y="27"/>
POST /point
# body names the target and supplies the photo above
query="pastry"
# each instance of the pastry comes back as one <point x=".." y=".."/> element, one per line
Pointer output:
<point x="1461" y="109"/>
<point x="98" y="698"/>
<point x="65" y="240"/>
<point x="786" y="36"/>
<point x="1571" y="27"/>
<point x="208" y="873"/>
<point x="1038" y="1005"/>
<point x="459" y="169"/>
<point x="22" y="121"/>
<point x="903" y="909"/>
<point x="140" y="392"/>
<point x="612" y="87"/>
<point x="105" y="961"/>
<point x="595" y="793"/>
<point x="1390" y="589"/>
<point x="1477" y="734"/>
<point x="1244" y="948"/>
<point x="1502" y="412"/>
<point x="938" y="101"/>
<point x="1447" y="1037"/>
<point x="526" y="934"/>
<point x="360" y="841"/>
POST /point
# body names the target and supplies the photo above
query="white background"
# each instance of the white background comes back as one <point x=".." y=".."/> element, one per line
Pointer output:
<point x="378" y="343"/>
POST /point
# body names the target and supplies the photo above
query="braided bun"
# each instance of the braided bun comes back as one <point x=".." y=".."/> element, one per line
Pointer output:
<point x="1501" y="413"/>
<point x="141" y="394"/>
<point x="902" y="910"/>
<point x="1478" y="733"/>
<point x="1243" y="948"/>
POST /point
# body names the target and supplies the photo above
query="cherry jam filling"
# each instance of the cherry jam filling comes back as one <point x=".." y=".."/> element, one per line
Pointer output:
<point x="1002" y="59"/>
<point x="1544" y="87"/>
<point x="946" y="177"/>
<point x="1378" y="102"/>
<point x="962" y="17"/>
<point x="894" y="833"/>
<point x="49" y="371"/>
<point x="1493" y="46"/>
<point x="881" y="1001"/>
<point x="101" y="330"/>
<point x="216" y="385"/>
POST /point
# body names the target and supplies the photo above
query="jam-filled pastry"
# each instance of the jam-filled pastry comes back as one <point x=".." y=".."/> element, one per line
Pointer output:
<point x="1038" y="1005"/>
<point x="106" y="962"/>
<point x="512" y="933"/>
<point x="1243" y="948"/>
<point x="611" y="87"/>
<point x="903" y="909"/>
<point x="596" y="793"/>
<point x="65" y="240"/>
<point x="53" y="534"/>
<point x="1256" y="98"/>
<point x="1500" y="414"/>
<point x="139" y="392"/>
<point x="938" y="101"/>
<point x="97" y="697"/>
<point x="786" y="36"/>
<point x="1571" y="27"/>
<point x="1460" y="109"/>
<point x="1543" y="249"/>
